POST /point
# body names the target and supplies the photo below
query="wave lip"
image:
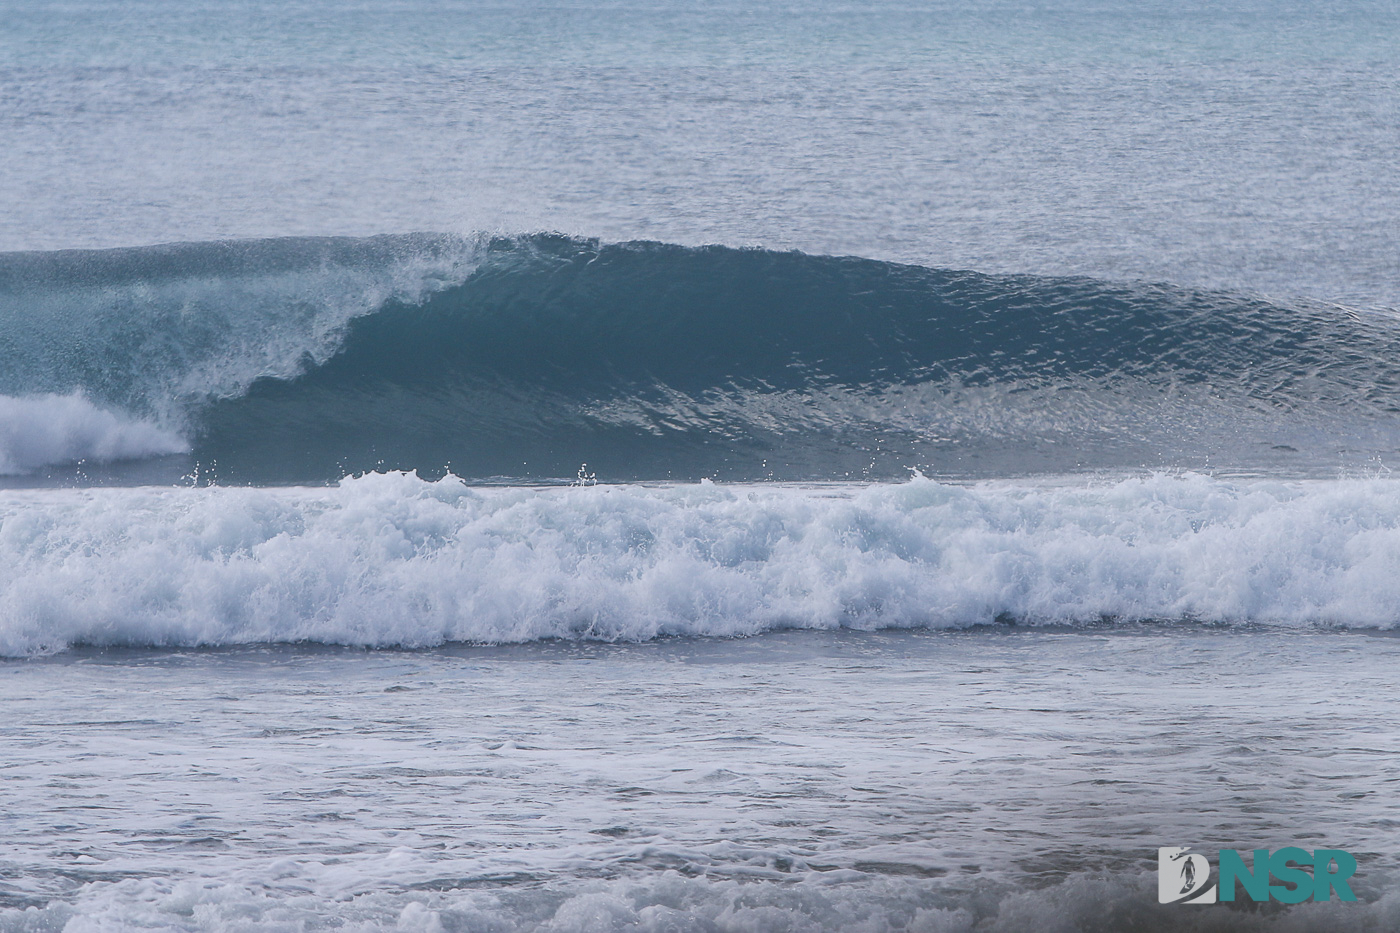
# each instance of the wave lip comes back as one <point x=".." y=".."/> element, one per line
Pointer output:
<point x="42" y="430"/>
<point x="159" y="332"/>
<point x="393" y="560"/>
<point x="302" y="360"/>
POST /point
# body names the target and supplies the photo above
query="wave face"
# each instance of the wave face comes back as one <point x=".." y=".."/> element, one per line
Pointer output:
<point x="142" y="340"/>
<point x="303" y="360"/>
<point x="394" y="560"/>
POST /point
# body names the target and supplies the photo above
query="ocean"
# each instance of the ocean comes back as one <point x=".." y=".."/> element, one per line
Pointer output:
<point x="646" y="466"/>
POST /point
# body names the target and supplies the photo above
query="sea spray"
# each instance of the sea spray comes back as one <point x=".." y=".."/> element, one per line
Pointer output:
<point x="38" y="430"/>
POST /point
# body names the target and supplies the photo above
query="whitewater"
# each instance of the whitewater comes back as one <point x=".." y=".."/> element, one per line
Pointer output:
<point x="937" y="781"/>
<point x="392" y="560"/>
<point x="666" y="467"/>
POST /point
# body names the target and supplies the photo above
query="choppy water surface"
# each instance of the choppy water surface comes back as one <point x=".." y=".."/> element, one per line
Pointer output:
<point x="999" y="780"/>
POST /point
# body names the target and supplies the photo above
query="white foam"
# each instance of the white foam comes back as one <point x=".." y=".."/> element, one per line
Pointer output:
<point x="390" y="559"/>
<point x="666" y="901"/>
<point x="41" y="430"/>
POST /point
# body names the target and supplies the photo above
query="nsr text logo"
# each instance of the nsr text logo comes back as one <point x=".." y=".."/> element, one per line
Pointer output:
<point x="1183" y="877"/>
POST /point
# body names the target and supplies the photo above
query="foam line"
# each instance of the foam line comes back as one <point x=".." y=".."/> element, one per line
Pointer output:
<point x="393" y="560"/>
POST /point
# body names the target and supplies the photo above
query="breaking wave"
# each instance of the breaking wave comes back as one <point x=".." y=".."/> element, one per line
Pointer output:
<point x="303" y="360"/>
<point x="394" y="560"/>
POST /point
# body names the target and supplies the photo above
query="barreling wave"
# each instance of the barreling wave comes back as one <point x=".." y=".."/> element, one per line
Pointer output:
<point x="303" y="360"/>
<point x="394" y="560"/>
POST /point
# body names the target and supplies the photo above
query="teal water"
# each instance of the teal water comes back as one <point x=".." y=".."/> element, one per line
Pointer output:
<point x="1125" y="273"/>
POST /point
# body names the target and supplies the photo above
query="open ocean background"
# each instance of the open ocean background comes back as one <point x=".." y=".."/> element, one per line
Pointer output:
<point x="674" y="467"/>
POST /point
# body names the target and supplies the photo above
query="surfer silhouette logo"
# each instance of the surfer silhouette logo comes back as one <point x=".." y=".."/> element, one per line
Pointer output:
<point x="1183" y="877"/>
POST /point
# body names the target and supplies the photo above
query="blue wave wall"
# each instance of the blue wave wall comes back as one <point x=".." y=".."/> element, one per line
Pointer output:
<point x="302" y="360"/>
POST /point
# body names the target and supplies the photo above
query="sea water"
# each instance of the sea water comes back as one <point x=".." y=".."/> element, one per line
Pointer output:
<point x="850" y="781"/>
<point x="694" y="467"/>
